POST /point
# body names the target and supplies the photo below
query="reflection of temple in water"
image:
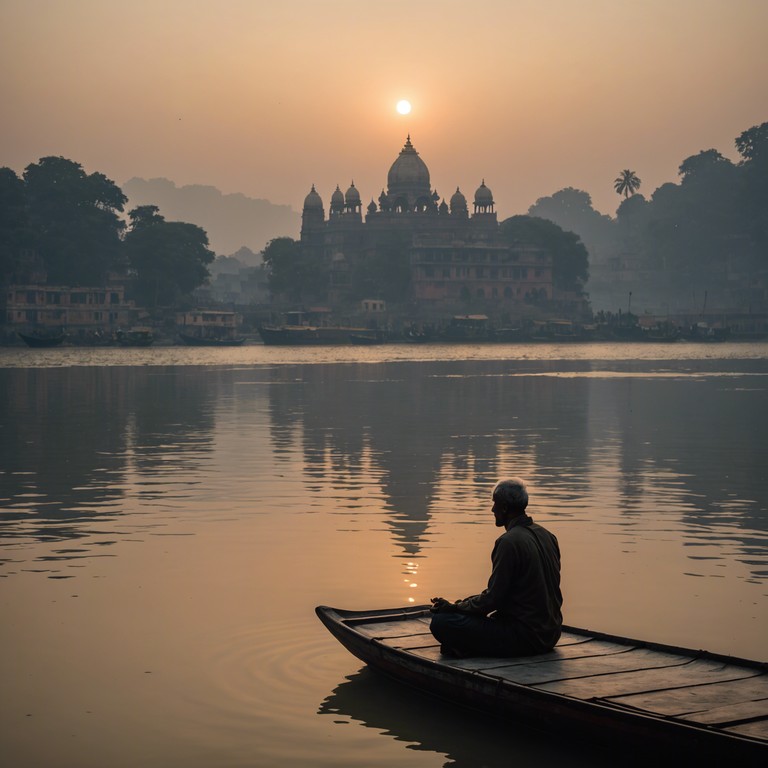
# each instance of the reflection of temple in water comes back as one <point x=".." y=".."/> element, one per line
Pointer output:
<point x="429" y="433"/>
<point x="438" y="435"/>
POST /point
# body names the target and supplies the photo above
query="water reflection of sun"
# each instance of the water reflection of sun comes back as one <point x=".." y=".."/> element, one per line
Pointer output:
<point x="411" y="570"/>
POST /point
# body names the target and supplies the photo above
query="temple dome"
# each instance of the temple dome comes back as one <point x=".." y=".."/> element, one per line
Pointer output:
<point x="352" y="196"/>
<point x="458" y="201"/>
<point x="409" y="174"/>
<point x="483" y="196"/>
<point x="313" y="200"/>
<point x="337" y="200"/>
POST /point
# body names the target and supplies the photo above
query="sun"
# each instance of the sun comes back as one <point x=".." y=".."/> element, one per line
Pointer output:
<point x="403" y="106"/>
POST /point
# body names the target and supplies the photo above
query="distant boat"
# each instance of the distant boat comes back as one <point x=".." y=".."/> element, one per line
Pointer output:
<point x="135" y="337"/>
<point x="312" y="327"/>
<point x="308" y="335"/>
<point x="369" y="337"/>
<point x="473" y="328"/>
<point x="192" y="340"/>
<point x="42" y="339"/>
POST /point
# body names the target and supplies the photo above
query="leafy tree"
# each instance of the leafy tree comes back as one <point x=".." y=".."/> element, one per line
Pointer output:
<point x="705" y="164"/>
<point x="626" y="183"/>
<point x="14" y="226"/>
<point x="167" y="259"/>
<point x="74" y="221"/>
<point x="297" y="274"/>
<point x="570" y="260"/>
<point x="572" y="210"/>
<point x="752" y="145"/>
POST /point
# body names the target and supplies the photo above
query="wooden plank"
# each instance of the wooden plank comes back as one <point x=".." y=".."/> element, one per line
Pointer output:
<point x="569" y="638"/>
<point x="424" y="640"/>
<point x="529" y="670"/>
<point x="733" y="713"/>
<point x="589" y="648"/>
<point x="696" y="698"/>
<point x="642" y="681"/>
<point x="392" y="628"/>
<point x="587" y="666"/>
<point x="757" y="730"/>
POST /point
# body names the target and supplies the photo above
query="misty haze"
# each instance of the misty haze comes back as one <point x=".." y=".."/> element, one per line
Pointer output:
<point x="288" y="289"/>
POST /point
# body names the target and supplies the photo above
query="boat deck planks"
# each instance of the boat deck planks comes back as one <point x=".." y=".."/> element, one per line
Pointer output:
<point x="683" y="700"/>
<point x="641" y="681"/>
<point x="701" y="692"/>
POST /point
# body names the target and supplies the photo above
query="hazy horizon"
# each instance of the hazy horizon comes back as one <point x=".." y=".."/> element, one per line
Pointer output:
<point x="266" y="100"/>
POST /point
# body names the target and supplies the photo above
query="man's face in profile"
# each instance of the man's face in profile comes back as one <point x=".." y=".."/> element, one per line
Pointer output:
<point x="499" y="513"/>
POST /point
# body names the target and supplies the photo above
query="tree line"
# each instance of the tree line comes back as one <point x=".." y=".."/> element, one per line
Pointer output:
<point x="63" y="226"/>
<point x="704" y="236"/>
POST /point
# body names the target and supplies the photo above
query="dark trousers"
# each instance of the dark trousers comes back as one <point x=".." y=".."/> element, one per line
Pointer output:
<point x="468" y="634"/>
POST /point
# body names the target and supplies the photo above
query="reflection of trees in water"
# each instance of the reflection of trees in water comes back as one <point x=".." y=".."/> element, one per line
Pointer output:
<point x="467" y="739"/>
<point x="698" y="444"/>
<point x="71" y="437"/>
<point x="420" y="423"/>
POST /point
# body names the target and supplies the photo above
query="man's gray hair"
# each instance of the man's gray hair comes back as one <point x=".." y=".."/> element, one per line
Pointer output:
<point x="512" y="493"/>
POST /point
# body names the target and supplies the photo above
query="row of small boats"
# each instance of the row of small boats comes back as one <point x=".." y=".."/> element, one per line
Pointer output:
<point x="134" y="337"/>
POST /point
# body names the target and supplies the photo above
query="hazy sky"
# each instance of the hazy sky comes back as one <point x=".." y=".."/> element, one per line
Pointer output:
<point x="267" y="98"/>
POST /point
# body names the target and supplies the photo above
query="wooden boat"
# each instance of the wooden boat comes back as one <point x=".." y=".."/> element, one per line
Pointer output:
<point x="135" y="337"/>
<point x="370" y="337"/>
<point x="596" y="687"/>
<point x="41" y="340"/>
<point x="203" y="341"/>
<point x="308" y="335"/>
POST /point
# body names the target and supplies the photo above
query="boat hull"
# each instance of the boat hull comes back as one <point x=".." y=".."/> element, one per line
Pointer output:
<point x="308" y="335"/>
<point x="41" y="341"/>
<point x="198" y="341"/>
<point x="398" y="643"/>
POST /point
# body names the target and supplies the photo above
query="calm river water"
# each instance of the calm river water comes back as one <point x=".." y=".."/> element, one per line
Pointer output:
<point x="170" y="517"/>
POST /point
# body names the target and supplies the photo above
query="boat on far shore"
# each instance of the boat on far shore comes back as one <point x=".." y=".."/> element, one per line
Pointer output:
<point x="369" y="337"/>
<point x="193" y="340"/>
<point x="139" y="336"/>
<point x="311" y="328"/>
<point x="42" y="339"/>
<point x="307" y="335"/>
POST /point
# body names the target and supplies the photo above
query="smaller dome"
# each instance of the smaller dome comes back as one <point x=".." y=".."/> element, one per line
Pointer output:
<point x="371" y="207"/>
<point x="313" y="200"/>
<point x="458" y="201"/>
<point x="352" y="196"/>
<point x="483" y="196"/>
<point x="337" y="199"/>
<point x="443" y="207"/>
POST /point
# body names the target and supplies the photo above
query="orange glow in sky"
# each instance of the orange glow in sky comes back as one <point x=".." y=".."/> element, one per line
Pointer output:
<point x="268" y="98"/>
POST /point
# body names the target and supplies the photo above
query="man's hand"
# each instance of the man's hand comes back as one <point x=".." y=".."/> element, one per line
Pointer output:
<point x="441" y="605"/>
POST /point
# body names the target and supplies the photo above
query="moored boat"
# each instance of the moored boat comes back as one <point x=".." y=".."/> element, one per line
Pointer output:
<point x="310" y="328"/>
<point x="193" y="340"/>
<point x="643" y="696"/>
<point x="305" y="335"/>
<point x="135" y="337"/>
<point x="42" y="339"/>
<point x="368" y="337"/>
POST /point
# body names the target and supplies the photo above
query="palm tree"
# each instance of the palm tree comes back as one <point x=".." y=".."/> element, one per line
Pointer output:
<point x="627" y="183"/>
